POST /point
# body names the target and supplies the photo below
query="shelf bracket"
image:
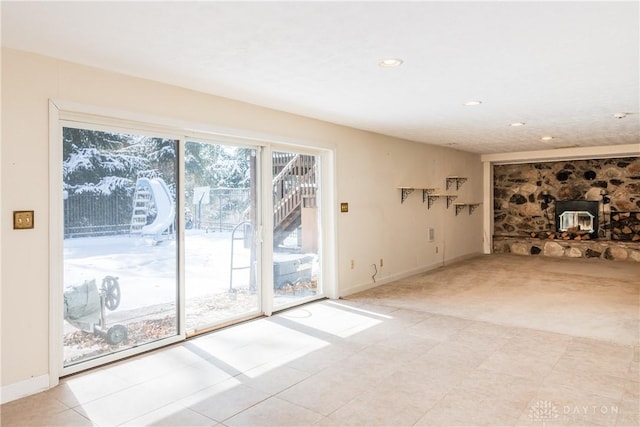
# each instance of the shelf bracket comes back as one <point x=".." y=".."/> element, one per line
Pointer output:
<point x="450" y="200"/>
<point x="405" y="193"/>
<point x="426" y="192"/>
<point x="457" y="180"/>
<point x="473" y="207"/>
<point x="460" y="208"/>
<point x="431" y="198"/>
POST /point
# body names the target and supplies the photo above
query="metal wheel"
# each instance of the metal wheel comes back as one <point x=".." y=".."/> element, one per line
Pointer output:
<point x="116" y="334"/>
<point x="111" y="290"/>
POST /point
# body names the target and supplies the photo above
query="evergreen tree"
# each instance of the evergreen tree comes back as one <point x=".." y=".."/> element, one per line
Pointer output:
<point x="99" y="162"/>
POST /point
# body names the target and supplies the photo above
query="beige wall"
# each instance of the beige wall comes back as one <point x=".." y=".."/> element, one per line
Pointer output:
<point x="369" y="167"/>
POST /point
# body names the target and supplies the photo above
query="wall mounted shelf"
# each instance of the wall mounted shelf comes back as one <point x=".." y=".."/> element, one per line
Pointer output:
<point x="430" y="198"/>
<point x="461" y="206"/>
<point x="457" y="180"/>
<point x="405" y="191"/>
<point x="430" y="195"/>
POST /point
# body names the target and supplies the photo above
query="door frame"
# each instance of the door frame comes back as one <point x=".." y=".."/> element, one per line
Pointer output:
<point x="327" y="237"/>
<point x="115" y="119"/>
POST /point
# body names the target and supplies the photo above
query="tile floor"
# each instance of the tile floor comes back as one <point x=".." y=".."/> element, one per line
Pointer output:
<point x="497" y="340"/>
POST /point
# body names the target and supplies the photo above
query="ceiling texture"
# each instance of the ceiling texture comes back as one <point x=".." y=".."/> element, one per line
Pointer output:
<point x="564" y="69"/>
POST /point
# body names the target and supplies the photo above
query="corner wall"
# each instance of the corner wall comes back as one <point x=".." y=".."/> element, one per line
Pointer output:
<point x="369" y="167"/>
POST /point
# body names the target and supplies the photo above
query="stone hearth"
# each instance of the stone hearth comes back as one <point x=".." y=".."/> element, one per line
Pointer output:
<point x="605" y="249"/>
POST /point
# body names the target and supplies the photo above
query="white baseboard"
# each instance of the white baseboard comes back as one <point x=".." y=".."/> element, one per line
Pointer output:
<point x="24" y="388"/>
<point x="388" y="279"/>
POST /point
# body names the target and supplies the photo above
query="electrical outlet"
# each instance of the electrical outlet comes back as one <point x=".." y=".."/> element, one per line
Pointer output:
<point x="22" y="220"/>
<point x="353" y="264"/>
<point x="381" y="262"/>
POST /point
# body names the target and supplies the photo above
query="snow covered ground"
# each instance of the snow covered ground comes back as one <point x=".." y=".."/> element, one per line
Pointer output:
<point x="147" y="274"/>
<point x="147" y="270"/>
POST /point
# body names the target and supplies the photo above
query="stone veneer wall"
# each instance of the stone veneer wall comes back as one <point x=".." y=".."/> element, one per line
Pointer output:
<point x="519" y="208"/>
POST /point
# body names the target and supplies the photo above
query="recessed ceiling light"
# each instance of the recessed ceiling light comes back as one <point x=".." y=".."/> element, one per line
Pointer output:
<point x="516" y="124"/>
<point x="471" y="103"/>
<point x="390" y="62"/>
<point x="546" y="138"/>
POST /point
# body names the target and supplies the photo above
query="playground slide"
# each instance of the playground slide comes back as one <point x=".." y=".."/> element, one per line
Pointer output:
<point x="164" y="205"/>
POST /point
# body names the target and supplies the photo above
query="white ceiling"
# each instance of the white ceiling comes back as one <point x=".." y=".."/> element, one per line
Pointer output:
<point x="563" y="68"/>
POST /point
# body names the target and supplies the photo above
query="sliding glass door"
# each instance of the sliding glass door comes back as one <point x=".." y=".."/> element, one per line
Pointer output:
<point x="119" y="249"/>
<point x="221" y="249"/>
<point x="296" y="228"/>
<point x="162" y="238"/>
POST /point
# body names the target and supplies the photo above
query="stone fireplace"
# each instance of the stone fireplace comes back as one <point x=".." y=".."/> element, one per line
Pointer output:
<point x="580" y="208"/>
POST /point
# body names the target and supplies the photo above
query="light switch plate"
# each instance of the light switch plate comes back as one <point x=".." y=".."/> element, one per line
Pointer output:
<point x="22" y="220"/>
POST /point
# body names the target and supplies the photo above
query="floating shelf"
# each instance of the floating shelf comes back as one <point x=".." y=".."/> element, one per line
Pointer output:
<point x="461" y="206"/>
<point x="458" y="180"/>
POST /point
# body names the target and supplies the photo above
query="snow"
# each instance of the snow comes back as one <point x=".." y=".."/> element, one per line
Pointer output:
<point x="80" y="160"/>
<point x="147" y="269"/>
<point x="105" y="187"/>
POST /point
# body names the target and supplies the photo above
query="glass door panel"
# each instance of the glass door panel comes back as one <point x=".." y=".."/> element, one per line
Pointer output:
<point x="296" y="228"/>
<point x="221" y="250"/>
<point x="119" y="249"/>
